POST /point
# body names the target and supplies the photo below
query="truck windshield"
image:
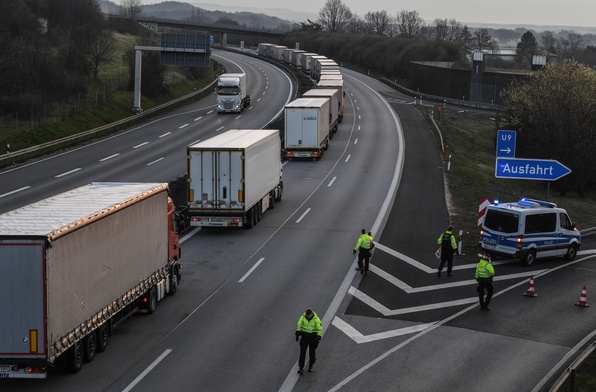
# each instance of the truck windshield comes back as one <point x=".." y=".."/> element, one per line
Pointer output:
<point x="505" y="222"/>
<point x="227" y="90"/>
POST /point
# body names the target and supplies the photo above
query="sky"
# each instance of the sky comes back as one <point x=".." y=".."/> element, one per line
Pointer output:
<point x="506" y="12"/>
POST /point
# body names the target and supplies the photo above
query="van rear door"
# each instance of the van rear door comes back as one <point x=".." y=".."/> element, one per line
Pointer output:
<point x="500" y="231"/>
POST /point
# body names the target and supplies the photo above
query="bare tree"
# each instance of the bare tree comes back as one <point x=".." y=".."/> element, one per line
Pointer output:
<point x="549" y="42"/>
<point x="335" y="17"/>
<point x="101" y="51"/>
<point x="358" y="26"/>
<point x="571" y="47"/>
<point x="483" y="41"/>
<point x="378" y="22"/>
<point x="131" y="8"/>
<point x="440" y="30"/>
<point x="409" y="24"/>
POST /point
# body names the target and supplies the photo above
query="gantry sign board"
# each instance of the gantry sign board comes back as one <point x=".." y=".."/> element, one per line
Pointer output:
<point x="192" y="50"/>
<point x="507" y="166"/>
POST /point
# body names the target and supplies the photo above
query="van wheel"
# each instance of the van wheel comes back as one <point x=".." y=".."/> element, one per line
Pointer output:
<point x="530" y="258"/>
<point x="571" y="252"/>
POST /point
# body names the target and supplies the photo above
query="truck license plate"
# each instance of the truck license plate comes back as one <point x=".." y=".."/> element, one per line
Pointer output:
<point x="4" y="368"/>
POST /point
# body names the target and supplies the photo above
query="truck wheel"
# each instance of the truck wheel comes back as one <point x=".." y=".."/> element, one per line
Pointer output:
<point x="250" y="220"/>
<point x="571" y="252"/>
<point x="259" y="208"/>
<point x="530" y="258"/>
<point x="102" y="338"/>
<point x="90" y="347"/>
<point x="278" y="193"/>
<point x="152" y="301"/>
<point x="173" y="281"/>
<point x="74" y="358"/>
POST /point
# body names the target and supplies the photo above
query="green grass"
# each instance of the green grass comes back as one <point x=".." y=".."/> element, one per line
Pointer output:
<point x="470" y="138"/>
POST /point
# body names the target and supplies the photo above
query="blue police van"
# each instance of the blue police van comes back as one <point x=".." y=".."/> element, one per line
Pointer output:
<point x="529" y="229"/>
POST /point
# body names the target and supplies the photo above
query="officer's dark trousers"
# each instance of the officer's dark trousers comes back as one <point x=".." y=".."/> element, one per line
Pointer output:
<point x="310" y="342"/>
<point x="363" y="258"/>
<point x="446" y="257"/>
<point x="485" y="283"/>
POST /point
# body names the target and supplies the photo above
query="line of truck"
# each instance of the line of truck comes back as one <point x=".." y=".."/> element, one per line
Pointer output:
<point x="310" y="121"/>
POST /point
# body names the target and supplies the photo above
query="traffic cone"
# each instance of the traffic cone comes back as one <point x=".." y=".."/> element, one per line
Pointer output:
<point x="583" y="300"/>
<point x="530" y="292"/>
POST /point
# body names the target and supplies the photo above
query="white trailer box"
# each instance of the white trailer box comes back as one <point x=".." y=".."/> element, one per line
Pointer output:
<point x="306" y="128"/>
<point x="332" y="95"/>
<point x="305" y="62"/>
<point x="337" y="84"/>
<point x="234" y="177"/>
<point x="70" y="264"/>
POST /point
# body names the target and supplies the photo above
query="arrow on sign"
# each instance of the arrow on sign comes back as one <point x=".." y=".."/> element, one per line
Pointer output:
<point x="530" y="169"/>
<point x="507" y="150"/>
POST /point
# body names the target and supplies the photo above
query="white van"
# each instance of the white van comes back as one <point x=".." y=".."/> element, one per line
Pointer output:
<point x="529" y="229"/>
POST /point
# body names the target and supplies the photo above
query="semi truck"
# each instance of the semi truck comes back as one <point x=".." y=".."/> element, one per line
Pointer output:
<point x="74" y="265"/>
<point x="337" y="84"/>
<point x="332" y="95"/>
<point x="231" y="93"/>
<point x="307" y="128"/>
<point x="234" y="177"/>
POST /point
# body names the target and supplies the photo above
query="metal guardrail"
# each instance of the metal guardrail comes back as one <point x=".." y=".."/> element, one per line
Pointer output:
<point x="40" y="149"/>
<point x="571" y="372"/>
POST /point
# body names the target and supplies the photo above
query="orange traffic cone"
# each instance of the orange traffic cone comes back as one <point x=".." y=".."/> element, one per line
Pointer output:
<point x="530" y="292"/>
<point x="583" y="300"/>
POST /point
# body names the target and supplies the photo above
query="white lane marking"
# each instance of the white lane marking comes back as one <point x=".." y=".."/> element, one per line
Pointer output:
<point x="155" y="161"/>
<point x="219" y="129"/>
<point x="110" y="157"/>
<point x="146" y="371"/>
<point x="251" y="270"/>
<point x="165" y="134"/>
<point x="68" y="172"/>
<point x="360" y="338"/>
<point x="238" y="117"/>
<point x="15" y="191"/>
<point x="303" y="215"/>
<point x="183" y="126"/>
<point x="210" y="111"/>
<point x="348" y="158"/>
<point x="198" y="118"/>
<point x="358" y="127"/>
<point x="332" y="181"/>
<point x="141" y="145"/>
<point x="356" y="141"/>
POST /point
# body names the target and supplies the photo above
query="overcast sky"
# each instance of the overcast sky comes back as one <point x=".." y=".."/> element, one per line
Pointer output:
<point x="518" y="12"/>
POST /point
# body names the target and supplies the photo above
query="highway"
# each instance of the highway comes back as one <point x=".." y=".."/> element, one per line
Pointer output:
<point x="230" y="327"/>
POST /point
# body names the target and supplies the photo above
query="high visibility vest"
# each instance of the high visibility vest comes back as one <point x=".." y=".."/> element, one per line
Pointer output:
<point x="484" y="269"/>
<point x="364" y="241"/>
<point x="310" y="326"/>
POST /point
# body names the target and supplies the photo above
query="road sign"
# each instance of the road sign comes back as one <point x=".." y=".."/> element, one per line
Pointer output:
<point x="530" y="169"/>
<point x="506" y="143"/>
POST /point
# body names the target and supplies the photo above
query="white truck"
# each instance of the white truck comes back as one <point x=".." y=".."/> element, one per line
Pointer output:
<point x="233" y="178"/>
<point x="231" y="94"/>
<point x="337" y="84"/>
<point x="332" y="95"/>
<point x="74" y="265"/>
<point x="307" y="128"/>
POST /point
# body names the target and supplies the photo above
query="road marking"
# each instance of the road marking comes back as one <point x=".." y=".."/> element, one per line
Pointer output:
<point x="140" y="145"/>
<point x="360" y="338"/>
<point x="210" y="111"/>
<point x="332" y="181"/>
<point x="348" y="158"/>
<point x="155" y="161"/>
<point x="146" y="371"/>
<point x="15" y="191"/>
<point x="68" y="172"/>
<point x="238" y="117"/>
<point x="195" y="142"/>
<point x="218" y="129"/>
<point x="356" y="141"/>
<point x="251" y="270"/>
<point x="198" y="118"/>
<point x="165" y="134"/>
<point x="107" y="158"/>
<point x="303" y="215"/>
<point x="183" y="126"/>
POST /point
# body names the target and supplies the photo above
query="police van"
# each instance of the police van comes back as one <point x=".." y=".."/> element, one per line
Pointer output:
<point x="529" y="229"/>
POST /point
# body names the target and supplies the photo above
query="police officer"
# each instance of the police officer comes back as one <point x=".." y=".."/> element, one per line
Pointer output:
<point x="363" y="247"/>
<point x="484" y="276"/>
<point x="448" y="247"/>
<point x="309" y="332"/>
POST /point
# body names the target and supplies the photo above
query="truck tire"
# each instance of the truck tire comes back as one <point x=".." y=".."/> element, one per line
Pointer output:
<point x="259" y="210"/>
<point x="102" y="338"/>
<point x="272" y="199"/>
<point x="73" y="360"/>
<point x="278" y="192"/>
<point x="152" y="304"/>
<point x="89" y="347"/>
<point x="173" y="281"/>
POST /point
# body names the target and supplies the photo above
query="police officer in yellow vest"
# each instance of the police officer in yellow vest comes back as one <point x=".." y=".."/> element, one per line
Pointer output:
<point x="309" y="331"/>
<point x="484" y="276"/>
<point x="363" y="246"/>
<point x="448" y="248"/>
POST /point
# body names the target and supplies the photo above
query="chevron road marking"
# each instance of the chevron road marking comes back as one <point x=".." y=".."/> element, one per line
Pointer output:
<point x="360" y="338"/>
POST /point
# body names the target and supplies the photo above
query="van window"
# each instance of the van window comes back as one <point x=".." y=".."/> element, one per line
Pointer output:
<point x="505" y="222"/>
<point x="541" y="223"/>
<point x="566" y="222"/>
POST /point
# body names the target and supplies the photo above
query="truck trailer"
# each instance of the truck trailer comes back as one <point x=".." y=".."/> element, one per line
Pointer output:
<point x="74" y="265"/>
<point x="307" y="128"/>
<point x="233" y="178"/>
<point x="332" y="95"/>
<point x="231" y="94"/>
<point x="337" y="84"/>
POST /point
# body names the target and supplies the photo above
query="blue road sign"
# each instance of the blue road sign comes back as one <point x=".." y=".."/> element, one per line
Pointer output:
<point x="506" y="143"/>
<point x="530" y="169"/>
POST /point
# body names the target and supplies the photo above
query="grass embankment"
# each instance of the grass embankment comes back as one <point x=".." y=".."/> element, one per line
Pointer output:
<point x="470" y="140"/>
